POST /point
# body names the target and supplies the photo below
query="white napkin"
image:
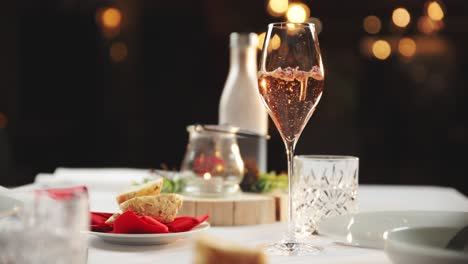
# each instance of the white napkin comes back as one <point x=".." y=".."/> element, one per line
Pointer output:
<point x="105" y="179"/>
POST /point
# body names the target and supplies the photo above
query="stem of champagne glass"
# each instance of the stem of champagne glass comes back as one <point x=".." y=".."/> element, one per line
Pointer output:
<point x="291" y="233"/>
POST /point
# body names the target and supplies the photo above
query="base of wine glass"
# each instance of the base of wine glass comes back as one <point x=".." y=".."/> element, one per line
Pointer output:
<point x="283" y="248"/>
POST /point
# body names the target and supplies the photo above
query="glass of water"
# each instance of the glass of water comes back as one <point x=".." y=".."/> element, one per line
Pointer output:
<point x="45" y="226"/>
<point x="324" y="186"/>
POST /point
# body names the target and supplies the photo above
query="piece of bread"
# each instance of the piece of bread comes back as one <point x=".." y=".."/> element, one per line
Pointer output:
<point x="112" y="218"/>
<point x="210" y="250"/>
<point x="150" y="188"/>
<point x="162" y="207"/>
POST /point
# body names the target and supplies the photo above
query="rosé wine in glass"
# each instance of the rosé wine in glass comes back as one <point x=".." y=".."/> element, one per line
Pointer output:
<point x="290" y="84"/>
<point x="290" y="96"/>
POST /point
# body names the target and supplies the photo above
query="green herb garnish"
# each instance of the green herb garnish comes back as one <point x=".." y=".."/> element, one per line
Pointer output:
<point x="268" y="182"/>
<point x="169" y="186"/>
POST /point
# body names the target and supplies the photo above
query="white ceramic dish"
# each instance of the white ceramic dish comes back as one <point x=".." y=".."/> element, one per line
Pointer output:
<point x="149" y="239"/>
<point x="424" y="245"/>
<point x="370" y="229"/>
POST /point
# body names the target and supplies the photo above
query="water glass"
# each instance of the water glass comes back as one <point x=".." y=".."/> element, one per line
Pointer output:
<point x="45" y="227"/>
<point x="324" y="186"/>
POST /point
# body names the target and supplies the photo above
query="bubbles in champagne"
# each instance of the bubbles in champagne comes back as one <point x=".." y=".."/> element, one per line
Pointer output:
<point x="291" y="96"/>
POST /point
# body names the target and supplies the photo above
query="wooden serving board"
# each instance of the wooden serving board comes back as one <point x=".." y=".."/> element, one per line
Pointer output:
<point x="242" y="209"/>
<point x="281" y="205"/>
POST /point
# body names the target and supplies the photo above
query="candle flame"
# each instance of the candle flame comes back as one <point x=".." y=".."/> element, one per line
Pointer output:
<point x="207" y="176"/>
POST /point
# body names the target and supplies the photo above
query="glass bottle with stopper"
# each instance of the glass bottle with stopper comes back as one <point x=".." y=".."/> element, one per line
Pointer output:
<point x="240" y="105"/>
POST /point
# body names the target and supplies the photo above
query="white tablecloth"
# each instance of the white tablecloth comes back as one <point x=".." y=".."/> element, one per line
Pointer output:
<point x="371" y="198"/>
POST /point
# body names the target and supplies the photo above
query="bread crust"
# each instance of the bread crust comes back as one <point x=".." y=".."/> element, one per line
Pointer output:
<point x="162" y="207"/>
<point x="210" y="250"/>
<point x="153" y="187"/>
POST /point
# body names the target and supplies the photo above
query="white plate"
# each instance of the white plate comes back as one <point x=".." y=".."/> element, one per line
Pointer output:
<point x="149" y="239"/>
<point x="424" y="245"/>
<point x="370" y="229"/>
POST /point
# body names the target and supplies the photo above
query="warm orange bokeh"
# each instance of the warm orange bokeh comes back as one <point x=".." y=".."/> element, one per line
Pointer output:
<point x="381" y="49"/>
<point x="401" y="17"/>
<point x="277" y="7"/>
<point x="298" y="13"/>
<point x="372" y="24"/>
<point x="111" y="17"/>
<point x="118" y="51"/>
<point x="407" y="47"/>
<point x="435" y="11"/>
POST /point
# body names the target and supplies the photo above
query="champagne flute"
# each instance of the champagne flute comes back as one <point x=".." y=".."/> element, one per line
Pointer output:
<point x="290" y="83"/>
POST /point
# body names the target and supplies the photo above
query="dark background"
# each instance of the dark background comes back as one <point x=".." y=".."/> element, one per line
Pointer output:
<point x="65" y="102"/>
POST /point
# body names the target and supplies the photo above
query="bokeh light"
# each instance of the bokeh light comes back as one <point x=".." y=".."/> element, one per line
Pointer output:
<point x="317" y="24"/>
<point x="3" y="120"/>
<point x="366" y="46"/>
<point x="275" y="42"/>
<point x="435" y="11"/>
<point x="277" y="7"/>
<point x="118" y="51"/>
<point x="372" y="24"/>
<point x="429" y="26"/>
<point x="207" y="176"/>
<point x="401" y="17"/>
<point x="297" y="13"/>
<point x="381" y="49"/>
<point x="111" y="17"/>
<point x="261" y="40"/>
<point x="407" y="47"/>
<point x="263" y="85"/>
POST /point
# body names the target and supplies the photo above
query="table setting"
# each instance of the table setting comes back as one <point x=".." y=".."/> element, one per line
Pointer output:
<point x="446" y="208"/>
<point x="222" y="206"/>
